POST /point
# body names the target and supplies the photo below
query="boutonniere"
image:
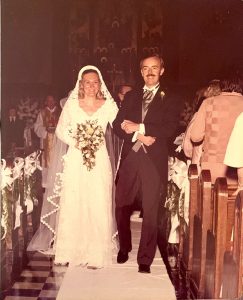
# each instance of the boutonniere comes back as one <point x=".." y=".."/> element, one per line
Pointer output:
<point x="162" y="93"/>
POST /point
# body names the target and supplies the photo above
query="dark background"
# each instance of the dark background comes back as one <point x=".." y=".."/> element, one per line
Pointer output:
<point x="46" y="42"/>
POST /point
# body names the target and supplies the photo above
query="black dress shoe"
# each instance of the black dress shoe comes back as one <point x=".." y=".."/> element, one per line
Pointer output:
<point x="122" y="257"/>
<point x="144" y="268"/>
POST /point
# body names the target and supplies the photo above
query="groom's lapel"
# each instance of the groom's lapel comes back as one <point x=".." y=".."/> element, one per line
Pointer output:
<point x="155" y="104"/>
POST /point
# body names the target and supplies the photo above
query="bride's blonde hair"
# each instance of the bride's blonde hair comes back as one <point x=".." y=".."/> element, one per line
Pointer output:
<point x="81" y="89"/>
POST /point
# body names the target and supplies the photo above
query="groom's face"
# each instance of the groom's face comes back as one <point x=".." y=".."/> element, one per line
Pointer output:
<point x="151" y="71"/>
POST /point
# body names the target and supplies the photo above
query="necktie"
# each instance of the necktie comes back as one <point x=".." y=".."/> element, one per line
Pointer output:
<point x="147" y="98"/>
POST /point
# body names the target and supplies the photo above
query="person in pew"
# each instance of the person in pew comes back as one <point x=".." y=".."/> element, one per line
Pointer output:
<point x="192" y="150"/>
<point x="234" y="152"/>
<point x="213" y="125"/>
<point x="145" y="121"/>
<point x="12" y="133"/>
<point x="122" y="90"/>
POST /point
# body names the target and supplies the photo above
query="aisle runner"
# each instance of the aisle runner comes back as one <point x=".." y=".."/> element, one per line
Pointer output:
<point x="119" y="282"/>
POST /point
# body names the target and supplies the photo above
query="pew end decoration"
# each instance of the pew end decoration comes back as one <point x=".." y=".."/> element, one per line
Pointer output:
<point x="20" y="180"/>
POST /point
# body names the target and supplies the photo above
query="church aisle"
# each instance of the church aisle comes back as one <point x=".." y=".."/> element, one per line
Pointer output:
<point x="42" y="280"/>
<point x="119" y="281"/>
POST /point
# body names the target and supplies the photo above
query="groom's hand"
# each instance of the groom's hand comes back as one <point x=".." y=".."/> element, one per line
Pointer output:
<point x="129" y="126"/>
<point x="146" y="139"/>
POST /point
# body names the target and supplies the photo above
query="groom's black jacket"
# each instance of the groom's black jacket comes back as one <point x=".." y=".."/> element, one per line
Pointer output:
<point x="160" y="121"/>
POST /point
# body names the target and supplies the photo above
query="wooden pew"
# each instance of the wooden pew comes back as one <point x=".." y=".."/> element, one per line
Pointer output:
<point x="208" y="237"/>
<point x="216" y="239"/>
<point x="237" y="252"/>
<point x="224" y="265"/>
<point x="210" y="207"/>
<point x="201" y="226"/>
<point x="232" y="277"/>
<point x="186" y="232"/>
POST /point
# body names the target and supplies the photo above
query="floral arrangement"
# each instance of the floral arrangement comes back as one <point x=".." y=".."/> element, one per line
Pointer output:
<point x="18" y="187"/>
<point x="177" y="200"/>
<point x="89" y="138"/>
<point x="28" y="110"/>
<point x="162" y="94"/>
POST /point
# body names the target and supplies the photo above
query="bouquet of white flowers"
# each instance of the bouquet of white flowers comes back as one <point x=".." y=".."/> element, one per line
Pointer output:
<point x="89" y="138"/>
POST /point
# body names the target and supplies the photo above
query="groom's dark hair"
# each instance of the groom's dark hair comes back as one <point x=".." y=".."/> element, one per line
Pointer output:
<point x="153" y="55"/>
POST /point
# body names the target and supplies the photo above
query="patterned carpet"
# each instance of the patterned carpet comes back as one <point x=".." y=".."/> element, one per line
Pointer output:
<point x="40" y="280"/>
<point x="43" y="280"/>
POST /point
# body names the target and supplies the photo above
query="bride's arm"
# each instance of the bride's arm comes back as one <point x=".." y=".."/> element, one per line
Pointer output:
<point x="112" y="110"/>
<point x="64" y="125"/>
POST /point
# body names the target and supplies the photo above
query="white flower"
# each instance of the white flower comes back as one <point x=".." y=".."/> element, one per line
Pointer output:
<point x="89" y="137"/>
<point x="162" y="94"/>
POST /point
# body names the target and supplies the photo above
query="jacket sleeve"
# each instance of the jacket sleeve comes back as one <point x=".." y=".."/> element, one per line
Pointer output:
<point x="199" y="124"/>
<point x="187" y="145"/>
<point x="112" y="111"/>
<point x="121" y="116"/>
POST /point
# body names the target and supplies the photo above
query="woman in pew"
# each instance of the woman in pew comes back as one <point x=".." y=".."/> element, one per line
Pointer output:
<point x="234" y="152"/>
<point x="192" y="150"/>
<point x="213" y="125"/>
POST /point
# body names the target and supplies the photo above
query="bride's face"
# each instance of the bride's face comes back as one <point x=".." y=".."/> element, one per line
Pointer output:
<point x="91" y="84"/>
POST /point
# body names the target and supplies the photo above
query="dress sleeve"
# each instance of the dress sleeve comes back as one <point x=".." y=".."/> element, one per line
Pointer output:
<point x="187" y="145"/>
<point x="63" y="126"/>
<point x="112" y="111"/>
<point x="39" y="127"/>
<point x="199" y="124"/>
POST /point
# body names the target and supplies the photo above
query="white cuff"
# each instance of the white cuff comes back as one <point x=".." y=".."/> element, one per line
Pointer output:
<point x="141" y="131"/>
<point x="134" y="138"/>
<point x="142" y="128"/>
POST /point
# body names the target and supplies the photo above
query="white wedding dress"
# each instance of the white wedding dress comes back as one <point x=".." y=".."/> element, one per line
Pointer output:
<point x="85" y="226"/>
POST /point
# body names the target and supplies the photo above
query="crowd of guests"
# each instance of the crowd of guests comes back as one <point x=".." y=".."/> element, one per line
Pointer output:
<point x="209" y="131"/>
<point x="143" y="120"/>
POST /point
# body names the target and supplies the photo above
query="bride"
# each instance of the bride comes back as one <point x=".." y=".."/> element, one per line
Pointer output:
<point x="80" y="226"/>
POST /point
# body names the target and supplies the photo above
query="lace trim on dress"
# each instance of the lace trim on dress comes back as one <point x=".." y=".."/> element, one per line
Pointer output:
<point x="56" y="194"/>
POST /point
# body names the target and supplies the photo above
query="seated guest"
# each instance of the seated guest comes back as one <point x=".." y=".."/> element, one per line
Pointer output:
<point x="213" y="125"/>
<point x="234" y="151"/>
<point x="12" y="132"/>
<point x="123" y="89"/>
<point x="192" y="150"/>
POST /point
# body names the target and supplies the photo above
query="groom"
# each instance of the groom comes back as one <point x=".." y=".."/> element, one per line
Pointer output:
<point x="147" y="118"/>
